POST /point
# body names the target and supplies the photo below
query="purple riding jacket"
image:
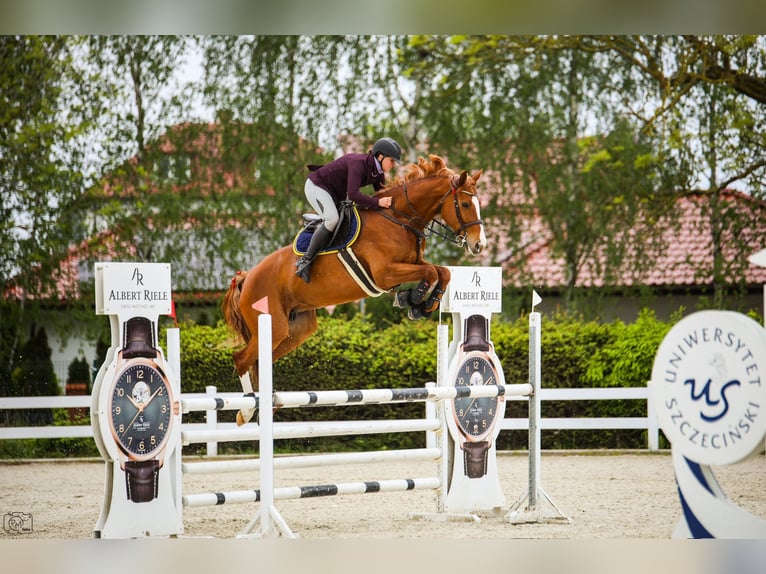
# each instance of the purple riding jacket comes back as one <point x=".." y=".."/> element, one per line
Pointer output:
<point x="345" y="176"/>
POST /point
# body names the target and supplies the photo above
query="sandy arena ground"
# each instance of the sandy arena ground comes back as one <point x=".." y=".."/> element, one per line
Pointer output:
<point x="605" y="495"/>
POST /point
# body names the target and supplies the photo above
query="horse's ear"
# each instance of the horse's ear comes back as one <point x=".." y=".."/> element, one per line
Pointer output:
<point x="463" y="178"/>
<point x="477" y="175"/>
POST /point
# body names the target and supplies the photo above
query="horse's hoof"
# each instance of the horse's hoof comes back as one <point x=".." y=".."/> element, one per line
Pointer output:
<point x="418" y="312"/>
<point x="244" y="416"/>
<point x="402" y="299"/>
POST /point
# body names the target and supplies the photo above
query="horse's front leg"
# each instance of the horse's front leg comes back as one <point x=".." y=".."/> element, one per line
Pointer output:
<point x="279" y="331"/>
<point x="434" y="300"/>
<point x="425" y="297"/>
<point x="431" y="304"/>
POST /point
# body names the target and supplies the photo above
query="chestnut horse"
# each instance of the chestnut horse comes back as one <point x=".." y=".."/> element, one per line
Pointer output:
<point x="390" y="245"/>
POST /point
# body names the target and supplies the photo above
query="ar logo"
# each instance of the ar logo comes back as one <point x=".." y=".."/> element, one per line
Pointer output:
<point x="138" y="277"/>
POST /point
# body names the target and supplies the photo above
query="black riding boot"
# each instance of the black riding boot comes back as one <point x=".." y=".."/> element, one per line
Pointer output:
<point x="318" y="240"/>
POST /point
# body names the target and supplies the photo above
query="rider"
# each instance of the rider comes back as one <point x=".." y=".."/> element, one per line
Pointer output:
<point x="328" y="185"/>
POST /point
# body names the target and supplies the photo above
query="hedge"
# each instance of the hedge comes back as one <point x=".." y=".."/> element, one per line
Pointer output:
<point x="349" y="353"/>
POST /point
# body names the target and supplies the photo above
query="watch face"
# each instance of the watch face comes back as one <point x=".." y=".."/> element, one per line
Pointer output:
<point x="475" y="416"/>
<point x="141" y="410"/>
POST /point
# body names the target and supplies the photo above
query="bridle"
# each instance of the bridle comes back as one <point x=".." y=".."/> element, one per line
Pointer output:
<point x="447" y="233"/>
<point x="434" y="226"/>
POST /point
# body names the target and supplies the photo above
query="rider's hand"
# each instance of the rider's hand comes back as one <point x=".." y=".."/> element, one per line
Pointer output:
<point x="384" y="202"/>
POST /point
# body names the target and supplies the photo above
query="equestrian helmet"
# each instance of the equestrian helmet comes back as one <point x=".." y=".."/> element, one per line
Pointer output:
<point x="389" y="148"/>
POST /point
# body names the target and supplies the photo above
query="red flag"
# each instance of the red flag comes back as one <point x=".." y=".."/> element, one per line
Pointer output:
<point x="262" y="305"/>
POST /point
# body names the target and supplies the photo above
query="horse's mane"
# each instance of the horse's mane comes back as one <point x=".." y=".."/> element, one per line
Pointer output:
<point x="425" y="167"/>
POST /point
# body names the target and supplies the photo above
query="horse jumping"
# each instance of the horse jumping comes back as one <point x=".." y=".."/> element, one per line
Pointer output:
<point x="390" y="246"/>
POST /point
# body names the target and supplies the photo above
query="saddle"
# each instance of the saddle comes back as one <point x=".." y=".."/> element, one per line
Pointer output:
<point x="346" y="232"/>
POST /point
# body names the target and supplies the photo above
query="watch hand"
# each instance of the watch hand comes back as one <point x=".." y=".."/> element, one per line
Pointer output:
<point x="130" y="424"/>
<point x="134" y="403"/>
<point x="468" y="408"/>
<point x="140" y="407"/>
<point x="150" y="399"/>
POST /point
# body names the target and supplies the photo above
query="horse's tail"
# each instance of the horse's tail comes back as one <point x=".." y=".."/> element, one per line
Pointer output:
<point x="232" y="313"/>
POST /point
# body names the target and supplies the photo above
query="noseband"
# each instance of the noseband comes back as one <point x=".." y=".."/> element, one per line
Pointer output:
<point x="459" y="236"/>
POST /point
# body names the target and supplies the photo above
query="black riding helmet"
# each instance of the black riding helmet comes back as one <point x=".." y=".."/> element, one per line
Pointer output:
<point x="389" y="148"/>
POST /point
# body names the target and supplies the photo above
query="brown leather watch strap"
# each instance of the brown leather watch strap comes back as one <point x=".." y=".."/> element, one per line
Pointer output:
<point x="476" y="335"/>
<point x="475" y="458"/>
<point x="141" y="479"/>
<point x="138" y="338"/>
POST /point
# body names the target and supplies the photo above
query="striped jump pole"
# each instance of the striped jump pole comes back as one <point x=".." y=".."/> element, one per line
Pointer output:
<point x="315" y="491"/>
<point x="314" y="460"/>
<point x="298" y="399"/>
<point x="307" y="430"/>
<point x="268" y="522"/>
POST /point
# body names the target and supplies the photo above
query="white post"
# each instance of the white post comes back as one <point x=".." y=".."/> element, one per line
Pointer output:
<point x="174" y="356"/>
<point x="445" y="461"/>
<point x="652" y="424"/>
<point x="265" y="421"/>
<point x="272" y="524"/>
<point x="211" y="422"/>
<point x="539" y="506"/>
<point x="534" y="408"/>
<point x="430" y="414"/>
<point x="173" y="462"/>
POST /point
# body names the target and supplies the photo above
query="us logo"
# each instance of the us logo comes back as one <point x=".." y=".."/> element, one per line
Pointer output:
<point x="709" y="381"/>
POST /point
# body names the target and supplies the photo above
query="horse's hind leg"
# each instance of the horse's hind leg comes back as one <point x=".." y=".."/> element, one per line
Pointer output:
<point x="246" y="359"/>
<point x="300" y="327"/>
<point x="288" y="334"/>
<point x="244" y="415"/>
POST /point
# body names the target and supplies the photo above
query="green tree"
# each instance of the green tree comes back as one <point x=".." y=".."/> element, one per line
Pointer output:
<point x="730" y="133"/>
<point x="34" y="376"/>
<point x="39" y="175"/>
<point x="547" y="119"/>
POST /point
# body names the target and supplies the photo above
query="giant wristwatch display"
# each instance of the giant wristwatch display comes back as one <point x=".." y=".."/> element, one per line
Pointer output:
<point x="141" y="409"/>
<point x="476" y="417"/>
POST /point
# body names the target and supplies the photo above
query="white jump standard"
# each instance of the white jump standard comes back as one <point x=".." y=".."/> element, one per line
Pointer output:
<point x="462" y="411"/>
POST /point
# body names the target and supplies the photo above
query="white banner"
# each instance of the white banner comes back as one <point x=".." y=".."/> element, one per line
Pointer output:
<point x="474" y="290"/>
<point x="128" y="289"/>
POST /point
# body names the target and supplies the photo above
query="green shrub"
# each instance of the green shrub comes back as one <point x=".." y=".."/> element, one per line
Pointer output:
<point x="348" y="352"/>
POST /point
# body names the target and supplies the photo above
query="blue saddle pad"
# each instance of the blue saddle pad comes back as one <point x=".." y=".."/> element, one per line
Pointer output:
<point x="347" y="232"/>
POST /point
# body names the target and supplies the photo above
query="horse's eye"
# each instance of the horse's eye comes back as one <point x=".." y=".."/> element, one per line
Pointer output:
<point x="465" y="204"/>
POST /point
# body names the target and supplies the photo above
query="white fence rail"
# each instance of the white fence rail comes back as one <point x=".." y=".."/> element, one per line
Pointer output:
<point x="648" y="423"/>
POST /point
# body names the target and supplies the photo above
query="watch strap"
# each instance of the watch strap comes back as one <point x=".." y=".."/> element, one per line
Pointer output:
<point x="476" y="334"/>
<point x="475" y="458"/>
<point x="138" y="338"/>
<point x="141" y="480"/>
